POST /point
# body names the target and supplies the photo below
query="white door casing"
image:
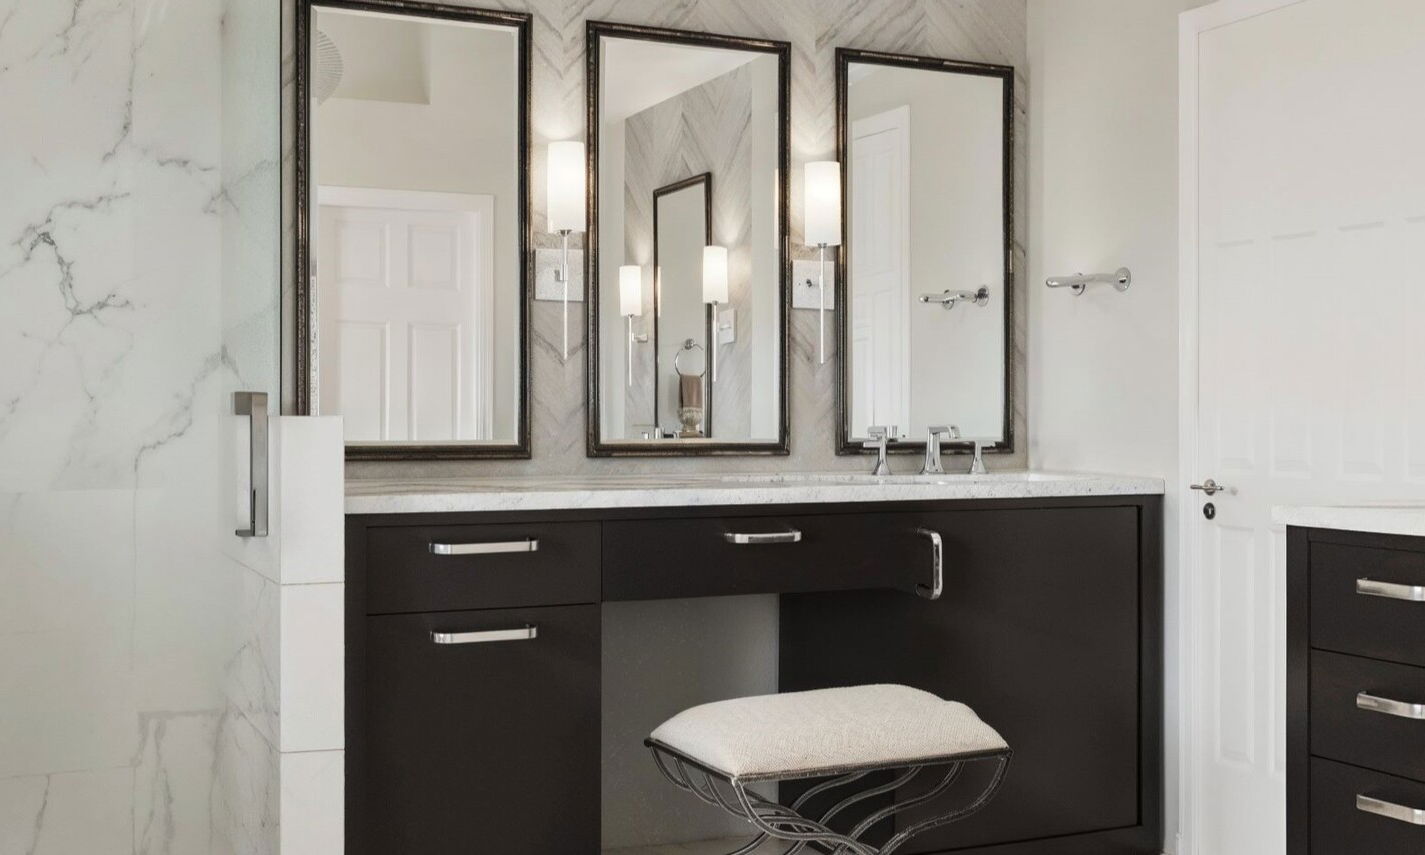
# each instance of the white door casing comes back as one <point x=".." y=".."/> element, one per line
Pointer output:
<point x="880" y="266"/>
<point x="1302" y="217"/>
<point x="405" y="297"/>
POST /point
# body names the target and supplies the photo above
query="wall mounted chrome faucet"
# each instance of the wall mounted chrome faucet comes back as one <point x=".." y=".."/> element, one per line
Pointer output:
<point x="948" y="299"/>
<point x="1079" y="282"/>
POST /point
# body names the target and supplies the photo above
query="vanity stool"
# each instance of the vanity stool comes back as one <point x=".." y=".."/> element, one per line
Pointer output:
<point x="717" y="750"/>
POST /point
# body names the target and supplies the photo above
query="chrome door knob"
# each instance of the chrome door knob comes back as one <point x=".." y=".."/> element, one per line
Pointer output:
<point x="1210" y="487"/>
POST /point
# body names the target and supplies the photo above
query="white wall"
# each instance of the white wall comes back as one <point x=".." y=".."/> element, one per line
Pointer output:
<point x="1103" y="383"/>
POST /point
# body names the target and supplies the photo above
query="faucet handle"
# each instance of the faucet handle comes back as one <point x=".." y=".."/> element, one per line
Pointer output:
<point x="941" y="430"/>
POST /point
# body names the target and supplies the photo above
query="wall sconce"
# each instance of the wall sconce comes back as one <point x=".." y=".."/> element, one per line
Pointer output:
<point x="565" y="184"/>
<point x="630" y="305"/>
<point x="821" y="191"/>
<point x="714" y="292"/>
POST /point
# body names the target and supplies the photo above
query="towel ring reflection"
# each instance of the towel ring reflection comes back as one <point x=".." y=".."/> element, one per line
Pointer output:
<point x="689" y="344"/>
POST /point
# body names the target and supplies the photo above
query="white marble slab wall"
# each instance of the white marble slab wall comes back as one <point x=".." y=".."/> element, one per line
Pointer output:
<point x="134" y="178"/>
<point x="980" y="30"/>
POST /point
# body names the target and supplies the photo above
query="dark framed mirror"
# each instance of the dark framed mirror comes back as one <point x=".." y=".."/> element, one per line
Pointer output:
<point x="413" y="235"/>
<point x="925" y="276"/>
<point x="688" y="289"/>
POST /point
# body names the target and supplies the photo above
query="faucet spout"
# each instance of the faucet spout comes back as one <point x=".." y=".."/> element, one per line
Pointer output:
<point x="880" y="440"/>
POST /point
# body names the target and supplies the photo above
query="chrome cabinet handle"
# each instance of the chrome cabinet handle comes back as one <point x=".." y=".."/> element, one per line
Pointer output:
<point x="937" y="566"/>
<point x="529" y="544"/>
<point x="1403" y="709"/>
<point x="524" y="633"/>
<point x="1391" y="590"/>
<point x="1390" y="810"/>
<point x="757" y="538"/>
<point x="1210" y="487"/>
<point x="254" y="406"/>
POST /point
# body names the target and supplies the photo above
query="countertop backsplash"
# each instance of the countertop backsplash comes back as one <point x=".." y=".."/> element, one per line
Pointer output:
<point x="991" y="31"/>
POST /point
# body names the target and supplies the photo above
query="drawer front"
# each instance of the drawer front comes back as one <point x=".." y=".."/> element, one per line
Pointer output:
<point x="1348" y="621"/>
<point x="442" y="568"/>
<point x="716" y="556"/>
<point x="1390" y="735"/>
<point x="486" y="743"/>
<point x="1339" y="827"/>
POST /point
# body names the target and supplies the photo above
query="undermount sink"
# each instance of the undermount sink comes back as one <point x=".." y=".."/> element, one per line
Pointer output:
<point x="862" y="478"/>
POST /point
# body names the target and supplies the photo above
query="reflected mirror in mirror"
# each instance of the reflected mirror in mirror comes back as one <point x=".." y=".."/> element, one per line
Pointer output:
<point x="927" y="150"/>
<point x="688" y="321"/>
<point x="415" y="240"/>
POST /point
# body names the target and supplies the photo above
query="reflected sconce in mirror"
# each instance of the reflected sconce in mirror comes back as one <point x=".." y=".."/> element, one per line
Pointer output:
<point x="714" y="292"/>
<point x="565" y="208"/>
<point x="1120" y="279"/>
<point x="822" y="195"/>
<point x="948" y="299"/>
<point x="630" y="303"/>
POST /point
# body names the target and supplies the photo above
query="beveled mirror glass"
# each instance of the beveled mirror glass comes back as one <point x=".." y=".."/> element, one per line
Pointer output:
<point x="412" y="251"/>
<point x="688" y="268"/>
<point x="926" y="280"/>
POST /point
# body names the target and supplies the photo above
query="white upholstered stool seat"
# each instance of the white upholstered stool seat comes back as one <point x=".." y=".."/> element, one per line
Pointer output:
<point x="826" y="731"/>
<point x="864" y="742"/>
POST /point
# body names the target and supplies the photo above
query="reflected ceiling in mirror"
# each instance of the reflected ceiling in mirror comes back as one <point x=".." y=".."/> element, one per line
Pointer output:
<point x="926" y="284"/>
<point x="688" y="325"/>
<point x="414" y="245"/>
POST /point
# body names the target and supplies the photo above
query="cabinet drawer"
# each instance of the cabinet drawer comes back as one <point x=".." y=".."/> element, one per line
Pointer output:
<point x="1351" y="621"/>
<point x="1342" y="730"/>
<point x="480" y="745"/>
<point x="718" y="556"/>
<point x="440" y="568"/>
<point x="1338" y="826"/>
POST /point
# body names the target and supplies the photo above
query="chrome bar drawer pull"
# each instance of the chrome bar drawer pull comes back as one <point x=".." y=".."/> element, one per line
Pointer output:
<point x="529" y="544"/>
<point x="1391" y="590"/>
<point x="1374" y="703"/>
<point x="937" y="566"/>
<point x="524" y="633"/>
<point x="754" y="539"/>
<point x="1390" y="810"/>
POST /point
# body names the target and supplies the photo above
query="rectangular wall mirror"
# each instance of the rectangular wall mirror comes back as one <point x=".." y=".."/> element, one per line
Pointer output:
<point x="688" y="270"/>
<point x="412" y="254"/>
<point x="926" y="274"/>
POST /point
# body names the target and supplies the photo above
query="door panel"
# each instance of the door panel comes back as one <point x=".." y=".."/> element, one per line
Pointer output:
<point x="1299" y="398"/>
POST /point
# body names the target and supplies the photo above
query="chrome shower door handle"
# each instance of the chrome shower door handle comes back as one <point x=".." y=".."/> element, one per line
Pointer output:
<point x="254" y="406"/>
<point x="1390" y="810"/>
<point x="937" y="566"/>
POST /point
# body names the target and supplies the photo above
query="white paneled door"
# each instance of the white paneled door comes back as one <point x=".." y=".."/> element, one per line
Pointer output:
<point x="404" y="291"/>
<point x="880" y="266"/>
<point x="1303" y="237"/>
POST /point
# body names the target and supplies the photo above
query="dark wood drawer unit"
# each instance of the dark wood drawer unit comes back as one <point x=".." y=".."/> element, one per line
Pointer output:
<point x="1049" y="625"/>
<point x="438" y="568"/>
<point x="1355" y="692"/>
<point x="1038" y="631"/>
<point x="1340" y="827"/>
<point x="1368" y="713"/>
<point x="476" y="745"/>
<point x="724" y="556"/>
<point x="1379" y="624"/>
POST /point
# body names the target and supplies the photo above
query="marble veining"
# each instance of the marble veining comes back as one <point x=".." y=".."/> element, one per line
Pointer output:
<point x="650" y="491"/>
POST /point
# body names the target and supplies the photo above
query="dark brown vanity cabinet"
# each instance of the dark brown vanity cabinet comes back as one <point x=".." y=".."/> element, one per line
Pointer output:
<point x="1049" y="625"/>
<point x="1355" y="693"/>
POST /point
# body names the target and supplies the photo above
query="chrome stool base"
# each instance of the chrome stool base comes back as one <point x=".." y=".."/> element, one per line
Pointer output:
<point x="786" y="823"/>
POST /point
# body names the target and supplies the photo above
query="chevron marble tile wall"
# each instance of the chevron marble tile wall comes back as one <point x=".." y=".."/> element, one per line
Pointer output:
<point x="978" y="30"/>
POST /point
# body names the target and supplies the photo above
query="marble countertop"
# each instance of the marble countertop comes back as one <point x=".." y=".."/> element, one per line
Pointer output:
<point x="404" y="496"/>
<point x="1406" y="518"/>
